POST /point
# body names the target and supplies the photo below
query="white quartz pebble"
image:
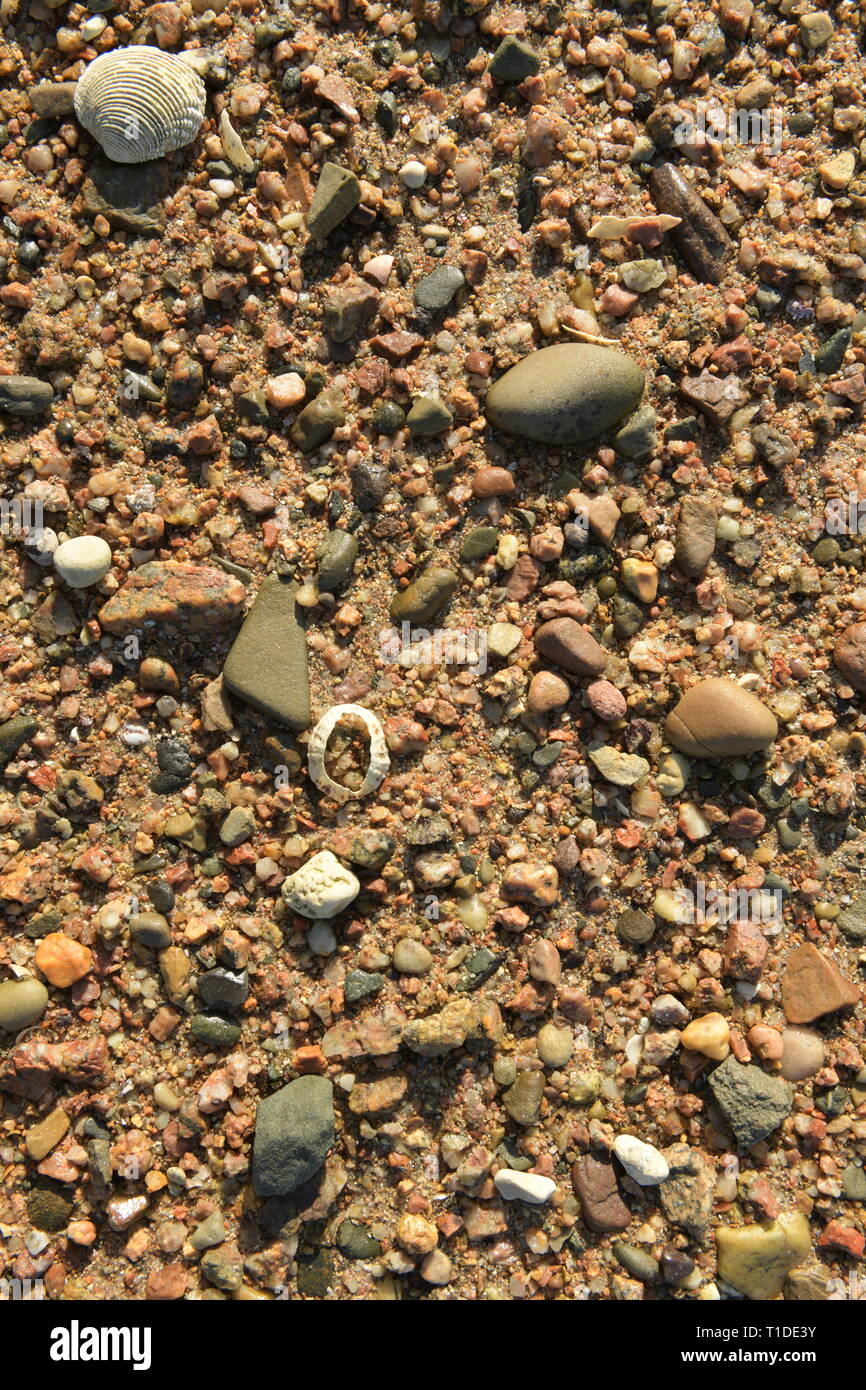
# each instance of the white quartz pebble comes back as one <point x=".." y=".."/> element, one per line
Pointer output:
<point x="413" y="173"/>
<point x="524" y="1187"/>
<point x="641" y="1161"/>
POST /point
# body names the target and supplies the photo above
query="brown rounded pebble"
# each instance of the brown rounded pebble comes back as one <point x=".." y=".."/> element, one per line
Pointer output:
<point x="547" y="692"/>
<point x="493" y="482"/>
<point x="719" y="719"/>
<point x="849" y="655"/>
<point x="567" y="644"/>
<point x="606" y="701"/>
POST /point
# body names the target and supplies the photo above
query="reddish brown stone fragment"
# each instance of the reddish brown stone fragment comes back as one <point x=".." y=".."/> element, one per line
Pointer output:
<point x="812" y="986"/>
<point x="597" y="1190"/>
<point x="195" y="597"/>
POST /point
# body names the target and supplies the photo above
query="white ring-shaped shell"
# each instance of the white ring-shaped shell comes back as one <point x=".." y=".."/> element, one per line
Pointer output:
<point x="139" y="103"/>
<point x="379" y="763"/>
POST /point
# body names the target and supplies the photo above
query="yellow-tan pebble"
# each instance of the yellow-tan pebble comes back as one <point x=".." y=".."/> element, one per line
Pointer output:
<point x="81" y="1232"/>
<point x="756" y="1260"/>
<point x="641" y="578"/>
<point x="416" y="1235"/>
<point x="62" y="960"/>
<point x="708" y="1035"/>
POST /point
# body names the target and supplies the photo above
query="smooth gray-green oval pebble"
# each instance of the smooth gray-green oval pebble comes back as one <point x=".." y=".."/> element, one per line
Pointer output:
<point x="316" y="423"/>
<point x="425" y="596"/>
<point x="565" y="394"/>
<point x="151" y="929"/>
<point x="22" y="1002"/>
<point x="411" y="957"/>
<point x="637" y="1262"/>
<point x="479" y="542"/>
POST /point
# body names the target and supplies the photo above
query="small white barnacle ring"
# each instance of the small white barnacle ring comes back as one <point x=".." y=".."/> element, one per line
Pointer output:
<point x="379" y="763"/>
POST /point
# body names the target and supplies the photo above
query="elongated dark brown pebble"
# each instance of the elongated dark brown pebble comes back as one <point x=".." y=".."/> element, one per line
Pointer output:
<point x="700" y="238"/>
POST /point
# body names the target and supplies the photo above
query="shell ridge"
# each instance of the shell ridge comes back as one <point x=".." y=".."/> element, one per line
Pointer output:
<point x="140" y="103"/>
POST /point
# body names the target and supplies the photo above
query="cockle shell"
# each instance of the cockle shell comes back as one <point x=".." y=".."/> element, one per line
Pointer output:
<point x="139" y="103"/>
<point x="379" y="760"/>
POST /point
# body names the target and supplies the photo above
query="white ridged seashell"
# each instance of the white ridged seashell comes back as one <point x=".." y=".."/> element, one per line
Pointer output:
<point x="139" y="103"/>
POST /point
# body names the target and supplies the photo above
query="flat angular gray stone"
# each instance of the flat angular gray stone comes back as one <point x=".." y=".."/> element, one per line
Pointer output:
<point x="337" y="194"/>
<point x="753" y="1103"/>
<point x="514" y="61"/>
<point x="294" y="1131"/>
<point x="852" y="919"/>
<point x="696" y="534"/>
<point x="25" y="396"/>
<point x="267" y="664"/>
<point x="436" y="290"/>
<point x="50" y="99"/>
<point x="128" y="196"/>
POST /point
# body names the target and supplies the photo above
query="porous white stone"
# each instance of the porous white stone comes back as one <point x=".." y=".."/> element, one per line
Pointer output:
<point x="82" y="561"/>
<point x="320" y="888"/>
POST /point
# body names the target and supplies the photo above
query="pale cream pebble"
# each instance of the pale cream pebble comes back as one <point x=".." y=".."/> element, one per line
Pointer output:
<point x="416" y="1235"/>
<point x="515" y="1186"/>
<point x="507" y="552"/>
<point x="378" y="269"/>
<point x="708" y="1035"/>
<point x="136" y="349"/>
<point x="413" y="174"/>
<point x="640" y="1160"/>
<point x="39" y="159"/>
<point x="283" y="392"/>
<point x="436" y="1268"/>
<point x="321" y="888"/>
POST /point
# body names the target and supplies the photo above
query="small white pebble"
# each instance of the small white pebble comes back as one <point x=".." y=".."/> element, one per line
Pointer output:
<point x="321" y="939"/>
<point x="82" y="561"/>
<point x="644" y="1164"/>
<point x="223" y="188"/>
<point x="134" y="735"/>
<point x="93" y="27"/>
<point x="515" y="1186"/>
<point x="413" y="174"/>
